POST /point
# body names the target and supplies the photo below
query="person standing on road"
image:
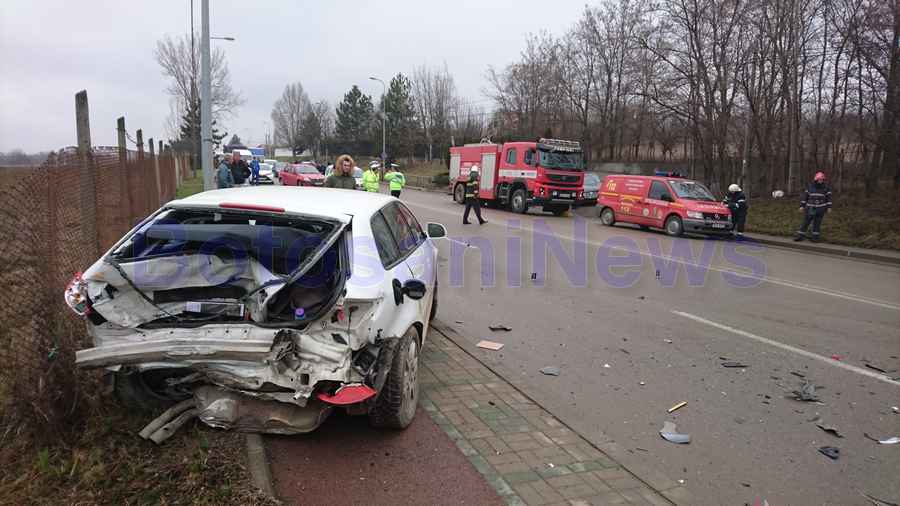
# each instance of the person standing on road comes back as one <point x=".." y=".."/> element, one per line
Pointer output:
<point x="224" y="178"/>
<point x="254" y="171"/>
<point x="814" y="203"/>
<point x="737" y="204"/>
<point x="397" y="180"/>
<point x="370" y="178"/>
<point x="473" y="201"/>
<point x="342" y="176"/>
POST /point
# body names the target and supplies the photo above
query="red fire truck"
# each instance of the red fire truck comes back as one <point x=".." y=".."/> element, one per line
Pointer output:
<point x="548" y="174"/>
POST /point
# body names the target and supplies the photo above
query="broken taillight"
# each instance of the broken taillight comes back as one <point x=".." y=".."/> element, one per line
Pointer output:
<point x="76" y="295"/>
<point x="348" y="394"/>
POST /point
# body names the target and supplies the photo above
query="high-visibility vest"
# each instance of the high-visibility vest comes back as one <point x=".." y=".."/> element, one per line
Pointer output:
<point x="370" y="181"/>
<point x="397" y="180"/>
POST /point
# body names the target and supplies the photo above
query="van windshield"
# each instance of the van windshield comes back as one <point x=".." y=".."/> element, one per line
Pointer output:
<point x="556" y="160"/>
<point x="691" y="190"/>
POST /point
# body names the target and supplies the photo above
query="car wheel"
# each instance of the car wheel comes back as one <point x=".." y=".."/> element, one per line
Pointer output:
<point x="298" y="183"/>
<point x="396" y="404"/>
<point x="517" y="203"/>
<point x="459" y="194"/>
<point x="148" y="390"/>
<point x="674" y="227"/>
<point x="608" y="217"/>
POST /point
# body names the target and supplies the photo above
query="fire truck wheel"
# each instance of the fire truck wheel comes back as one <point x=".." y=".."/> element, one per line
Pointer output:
<point x="674" y="227"/>
<point x="517" y="203"/>
<point x="607" y="217"/>
<point x="459" y="194"/>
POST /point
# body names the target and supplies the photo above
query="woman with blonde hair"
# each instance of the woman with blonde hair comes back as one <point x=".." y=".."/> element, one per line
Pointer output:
<point x="342" y="177"/>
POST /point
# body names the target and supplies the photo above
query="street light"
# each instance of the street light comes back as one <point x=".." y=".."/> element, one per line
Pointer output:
<point x="383" y="123"/>
<point x="205" y="97"/>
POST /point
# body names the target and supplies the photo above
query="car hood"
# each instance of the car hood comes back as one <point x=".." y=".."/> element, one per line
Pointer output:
<point x="706" y="207"/>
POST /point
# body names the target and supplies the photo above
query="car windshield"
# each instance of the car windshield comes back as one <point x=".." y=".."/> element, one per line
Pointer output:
<point x="591" y="180"/>
<point x="691" y="190"/>
<point x="556" y="160"/>
<point x="265" y="166"/>
<point x="307" y="169"/>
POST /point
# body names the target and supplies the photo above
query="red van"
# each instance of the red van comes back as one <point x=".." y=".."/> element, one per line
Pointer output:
<point x="674" y="204"/>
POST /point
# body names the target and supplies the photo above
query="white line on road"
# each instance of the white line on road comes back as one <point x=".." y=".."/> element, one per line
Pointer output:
<point x="787" y="347"/>
<point x="765" y="279"/>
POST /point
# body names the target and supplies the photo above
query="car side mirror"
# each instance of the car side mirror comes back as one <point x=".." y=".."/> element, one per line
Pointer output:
<point x="414" y="289"/>
<point x="667" y="197"/>
<point x="436" y="230"/>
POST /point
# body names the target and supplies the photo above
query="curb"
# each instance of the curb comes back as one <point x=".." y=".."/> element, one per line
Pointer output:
<point x="258" y="464"/>
<point x="654" y="479"/>
<point x="827" y="249"/>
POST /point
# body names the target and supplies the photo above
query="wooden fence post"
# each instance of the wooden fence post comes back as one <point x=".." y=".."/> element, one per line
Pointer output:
<point x="87" y="177"/>
<point x="125" y="204"/>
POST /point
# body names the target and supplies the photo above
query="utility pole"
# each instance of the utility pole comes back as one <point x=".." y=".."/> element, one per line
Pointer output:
<point x="794" y="145"/>
<point x="383" y="125"/>
<point x="205" y="102"/>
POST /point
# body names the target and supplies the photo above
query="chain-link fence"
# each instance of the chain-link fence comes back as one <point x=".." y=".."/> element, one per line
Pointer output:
<point x="55" y="220"/>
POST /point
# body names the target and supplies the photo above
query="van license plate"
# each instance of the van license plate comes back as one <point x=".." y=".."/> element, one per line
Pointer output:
<point x="718" y="225"/>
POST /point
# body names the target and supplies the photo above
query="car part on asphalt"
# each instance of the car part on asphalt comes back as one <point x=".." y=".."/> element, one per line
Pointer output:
<point x="734" y="365"/>
<point x="550" y="370"/>
<point x="499" y="327"/>
<point x="677" y="406"/>
<point x="668" y="433"/>
<point x="831" y="452"/>
<point x="489" y="345"/>
<point x="807" y="392"/>
<point x="889" y="441"/>
<point x="830" y="429"/>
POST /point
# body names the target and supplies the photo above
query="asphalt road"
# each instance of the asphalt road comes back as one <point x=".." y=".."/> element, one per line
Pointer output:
<point x="634" y="340"/>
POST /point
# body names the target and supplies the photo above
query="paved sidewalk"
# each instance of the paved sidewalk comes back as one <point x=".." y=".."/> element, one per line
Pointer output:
<point x="877" y="255"/>
<point x="524" y="452"/>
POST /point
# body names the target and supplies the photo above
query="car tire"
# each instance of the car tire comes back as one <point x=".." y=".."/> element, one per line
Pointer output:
<point x="396" y="403"/>
<point x="135" y="390"/>
<point x="459" y="194"/>
<point x="608" y="216"/>
<point x="518" y="202"/>
<point x="674" y="226"/>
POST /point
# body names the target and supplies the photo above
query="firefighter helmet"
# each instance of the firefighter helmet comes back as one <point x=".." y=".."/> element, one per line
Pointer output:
<point x="733" y="188"/>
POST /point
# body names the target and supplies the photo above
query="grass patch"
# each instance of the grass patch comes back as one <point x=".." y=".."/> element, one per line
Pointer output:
<point x="190" y="186"/>
<point x="855" y="220"/>
<point x="105" y="462"/>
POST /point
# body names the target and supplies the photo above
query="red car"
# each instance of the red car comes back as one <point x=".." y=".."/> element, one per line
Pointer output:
<point x="301" y="174"/>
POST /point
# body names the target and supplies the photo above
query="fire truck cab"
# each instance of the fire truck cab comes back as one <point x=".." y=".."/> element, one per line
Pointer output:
<point x="548" y="174"/>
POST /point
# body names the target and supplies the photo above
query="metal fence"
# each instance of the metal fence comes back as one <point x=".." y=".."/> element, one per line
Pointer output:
<point x="55" y="220"/>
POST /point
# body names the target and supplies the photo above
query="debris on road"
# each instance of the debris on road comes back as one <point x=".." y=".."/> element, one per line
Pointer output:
<point x="460" y="322"/>
<point x="606" y="366"/>
<point x="798" y="374"/>
<point x="642" y="383"/>
<point x="550" y="370"/>
<point x="489" y="345"/>
<point x="876" y="501"/>
<point x="889" y="441"/>
<point x="731" y="364"/>
<point x="831" y="452"/>
<point x="498" y="327"/>
<point x="835" y="357"/>
<point x="678" y="406"/>
<point x="668" y="433"/>
<point x="807" y="392"/>
<point x="830" y="429"/>
<point x="667" y="341"/>
<point x="895" y="409"/>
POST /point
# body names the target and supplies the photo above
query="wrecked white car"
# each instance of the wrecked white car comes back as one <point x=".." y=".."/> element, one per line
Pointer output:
<point x="262" y="309"/>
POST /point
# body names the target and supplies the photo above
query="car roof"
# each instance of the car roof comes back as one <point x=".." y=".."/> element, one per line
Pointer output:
<point x="331" y="203"/>
<point x="669" y="179"/>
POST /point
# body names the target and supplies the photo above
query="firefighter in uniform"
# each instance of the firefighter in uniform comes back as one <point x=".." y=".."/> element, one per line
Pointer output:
<point x="815" y="202"/>
<point x="472" y="199"/>
<point x="737" y="204"/>
<point x="370" y="178"/>
<point x="397" y="180"/>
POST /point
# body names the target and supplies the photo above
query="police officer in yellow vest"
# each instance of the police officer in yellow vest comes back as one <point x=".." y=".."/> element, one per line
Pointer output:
<point x="397" y="180"/>
<point x="473" y="201"/>
<point x="370" y="177"/>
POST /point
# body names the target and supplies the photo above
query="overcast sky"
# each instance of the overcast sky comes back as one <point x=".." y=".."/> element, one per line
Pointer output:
<point x="53" y="48"/>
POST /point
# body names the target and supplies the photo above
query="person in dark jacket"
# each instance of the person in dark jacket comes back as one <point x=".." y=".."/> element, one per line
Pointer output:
<point x="472" y="199"/>
<point x="737" y="204"/>
<point x="342" y="175"/>
<point x="814" y="203"/>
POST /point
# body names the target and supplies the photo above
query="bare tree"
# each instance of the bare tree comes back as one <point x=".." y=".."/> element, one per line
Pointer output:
<point x="434" y="95"/>
<point x="289" y="113"/>
<point x="182" y="66"/>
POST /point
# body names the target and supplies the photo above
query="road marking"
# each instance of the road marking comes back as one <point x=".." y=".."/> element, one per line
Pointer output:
<point x="787" y="347"/>
<point x="765" y="279"/>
